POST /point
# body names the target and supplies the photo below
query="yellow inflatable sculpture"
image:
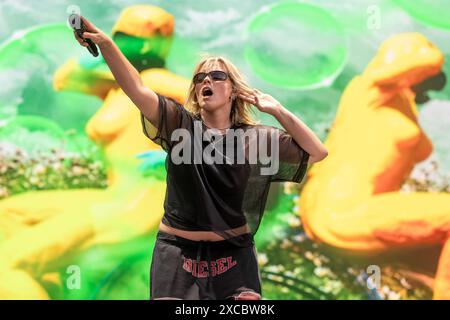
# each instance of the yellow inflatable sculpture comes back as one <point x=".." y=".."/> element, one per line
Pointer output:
<point x="351" y="200"/>
<point x="46" y="230"/>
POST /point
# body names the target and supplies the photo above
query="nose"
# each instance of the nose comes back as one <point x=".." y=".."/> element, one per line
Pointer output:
<point x="207" y="77"/>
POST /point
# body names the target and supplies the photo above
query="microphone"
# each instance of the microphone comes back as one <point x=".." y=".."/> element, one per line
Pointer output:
<point x="77" y="24"/>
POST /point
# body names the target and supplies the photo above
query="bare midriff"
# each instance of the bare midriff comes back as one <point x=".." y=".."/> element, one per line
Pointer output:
<point x="203" y="235"/>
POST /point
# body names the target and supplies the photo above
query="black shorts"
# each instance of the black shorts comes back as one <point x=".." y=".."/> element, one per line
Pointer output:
<point x="179" y="269"/>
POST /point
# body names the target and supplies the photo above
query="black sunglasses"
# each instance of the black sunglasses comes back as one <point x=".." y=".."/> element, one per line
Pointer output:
<point x="216" y="75"/>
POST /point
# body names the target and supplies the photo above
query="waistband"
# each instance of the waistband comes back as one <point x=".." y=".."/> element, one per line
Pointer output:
<point x="240" y="241"/>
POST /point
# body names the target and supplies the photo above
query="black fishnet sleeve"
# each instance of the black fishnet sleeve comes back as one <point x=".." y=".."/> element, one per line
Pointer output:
<point x="291" y="158"/>
<point x="172" y="115"/>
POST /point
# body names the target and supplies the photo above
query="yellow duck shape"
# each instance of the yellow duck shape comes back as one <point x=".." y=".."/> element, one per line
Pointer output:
<point x="352" y="200"/>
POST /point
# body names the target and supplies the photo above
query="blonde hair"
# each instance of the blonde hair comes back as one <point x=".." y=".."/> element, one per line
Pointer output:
<point x="241" y="110"/>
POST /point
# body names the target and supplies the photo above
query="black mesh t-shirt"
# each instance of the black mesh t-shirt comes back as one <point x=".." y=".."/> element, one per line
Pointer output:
<point x="219" y="182"/>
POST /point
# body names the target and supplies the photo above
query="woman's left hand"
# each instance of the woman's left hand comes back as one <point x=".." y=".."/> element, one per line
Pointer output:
<point x="264" y="102"/>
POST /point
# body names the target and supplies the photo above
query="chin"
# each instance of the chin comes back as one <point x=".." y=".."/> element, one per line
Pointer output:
<point x="206" y="106"/>
<point x="210" y="106"/>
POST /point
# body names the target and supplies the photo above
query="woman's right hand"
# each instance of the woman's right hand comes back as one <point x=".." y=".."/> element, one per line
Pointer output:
<point x="95" y="34"/>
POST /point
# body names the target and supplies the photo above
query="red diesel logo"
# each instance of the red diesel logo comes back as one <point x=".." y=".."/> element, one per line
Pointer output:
<point x="200" y="270"/>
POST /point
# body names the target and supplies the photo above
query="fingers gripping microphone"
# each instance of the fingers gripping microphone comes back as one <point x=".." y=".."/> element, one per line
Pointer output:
<point x="77" y="24"/>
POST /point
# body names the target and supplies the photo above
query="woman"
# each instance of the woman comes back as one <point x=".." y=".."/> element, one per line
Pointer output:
<point x="220" y="165"/>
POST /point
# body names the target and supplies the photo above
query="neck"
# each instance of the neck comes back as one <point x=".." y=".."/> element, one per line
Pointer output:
<point x="217" y="119"/>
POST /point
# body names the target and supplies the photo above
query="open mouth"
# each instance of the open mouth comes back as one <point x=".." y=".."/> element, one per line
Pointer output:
<point x="207" y="92"/>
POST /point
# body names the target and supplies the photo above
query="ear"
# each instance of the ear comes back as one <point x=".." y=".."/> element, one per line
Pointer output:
<point x="233" y="93"/>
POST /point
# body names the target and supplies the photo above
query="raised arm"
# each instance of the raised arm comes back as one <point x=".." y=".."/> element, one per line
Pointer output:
<point x="299" y="131"/>
<point x="127" y="77"/>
